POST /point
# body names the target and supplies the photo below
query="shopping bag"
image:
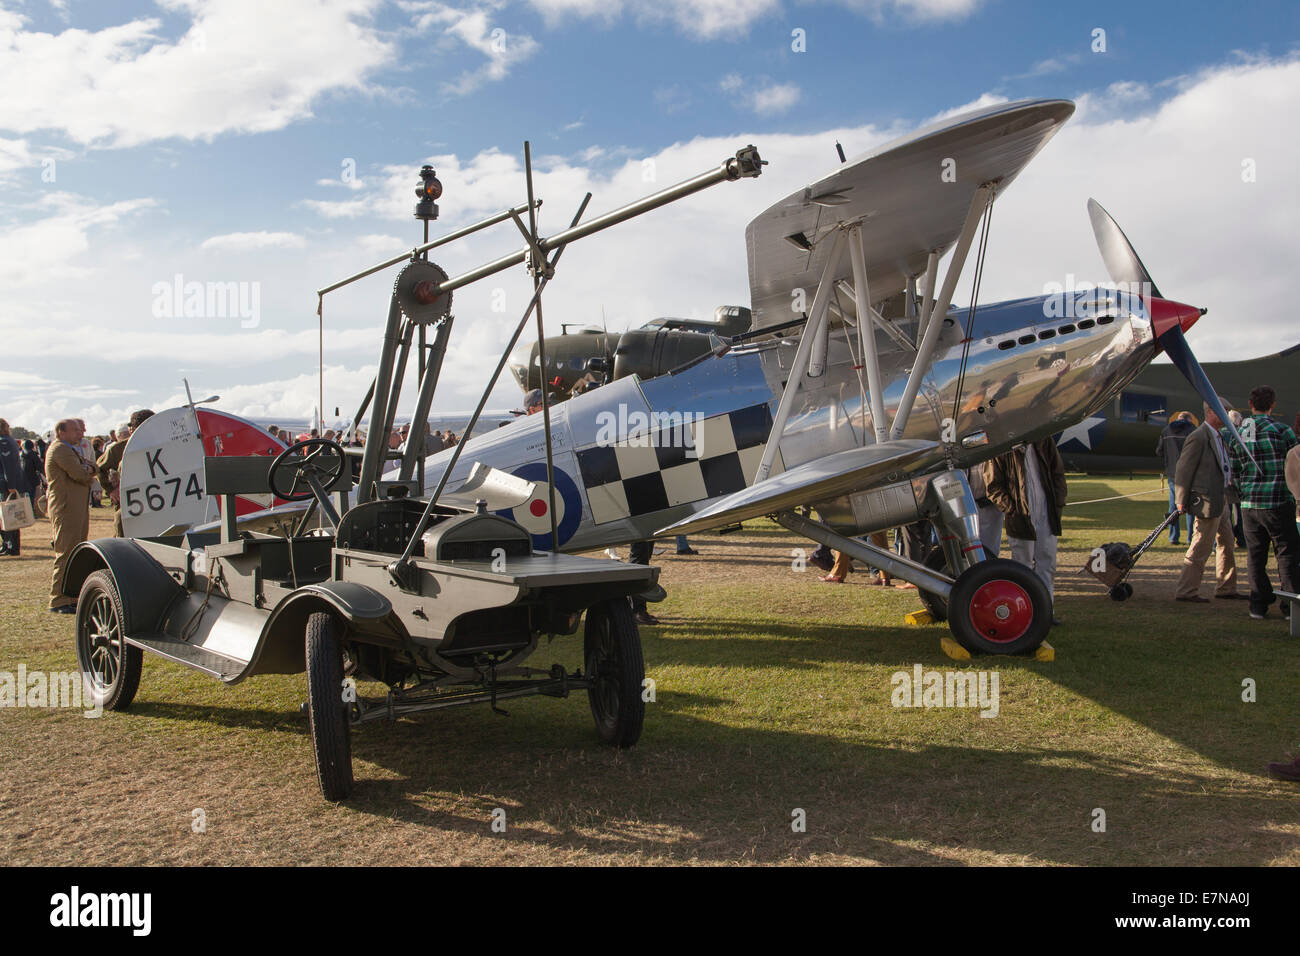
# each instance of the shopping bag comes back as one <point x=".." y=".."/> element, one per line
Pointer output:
<point x="16" y="512"/>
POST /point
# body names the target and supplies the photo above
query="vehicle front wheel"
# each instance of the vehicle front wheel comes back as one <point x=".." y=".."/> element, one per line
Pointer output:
<point x="327" y="713"/>
<point x="999" y="607"/>
<point x="110" y="667"/>
<point x="612" y="652"/>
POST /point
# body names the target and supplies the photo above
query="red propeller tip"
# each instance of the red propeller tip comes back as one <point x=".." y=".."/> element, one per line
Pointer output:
<point x="1165" y="314"/>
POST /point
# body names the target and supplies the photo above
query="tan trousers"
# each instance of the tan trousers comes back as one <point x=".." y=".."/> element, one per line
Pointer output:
<point x="71" y="526"/>
<point x="844" y="564"/>
<point x="1205" y="533"/>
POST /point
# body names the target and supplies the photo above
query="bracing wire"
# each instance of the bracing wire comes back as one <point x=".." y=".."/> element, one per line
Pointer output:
<point x="974" y="300"/>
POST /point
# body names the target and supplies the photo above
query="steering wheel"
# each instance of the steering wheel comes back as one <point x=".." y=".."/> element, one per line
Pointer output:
<point x="325" y="464"/>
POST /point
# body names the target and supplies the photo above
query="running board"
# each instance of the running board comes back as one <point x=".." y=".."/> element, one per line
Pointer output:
<point x="207" y="662"/>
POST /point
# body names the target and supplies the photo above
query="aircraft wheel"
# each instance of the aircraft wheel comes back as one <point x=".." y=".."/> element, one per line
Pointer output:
<point x="937" y="605"/>
<point x="1121" y="592"/>
<point x="110" y="667"/>
<point x="327" y="714"/>
<point x="999" y="607"/>
<point x="612" y="651"/>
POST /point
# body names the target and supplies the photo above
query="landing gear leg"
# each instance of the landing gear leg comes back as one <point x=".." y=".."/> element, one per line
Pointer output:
<point x="995" y="606"/>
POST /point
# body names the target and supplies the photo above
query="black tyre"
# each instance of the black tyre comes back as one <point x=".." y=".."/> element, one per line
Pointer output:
<point x="612" y="651"/>
<point x="1121" y="592"/>
<point x="937" y="605"/>
<point x="331" y="733"/>
<point x="999" y="607"/>
<point x="110" y="667"/>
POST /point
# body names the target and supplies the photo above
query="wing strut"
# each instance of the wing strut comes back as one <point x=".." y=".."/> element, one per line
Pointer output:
<point x="802" y="356"/>
<point x="933" y="319"/>
<point x="927" y="307"/>
<point x="889" y="328"/>
<point x="875" y="386"/>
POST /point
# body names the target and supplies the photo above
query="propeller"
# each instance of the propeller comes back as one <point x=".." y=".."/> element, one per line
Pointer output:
<point x="1169" y="319"/>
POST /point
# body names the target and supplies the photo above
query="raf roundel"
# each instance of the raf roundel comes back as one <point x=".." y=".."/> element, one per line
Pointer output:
<point x="534" y="514"/>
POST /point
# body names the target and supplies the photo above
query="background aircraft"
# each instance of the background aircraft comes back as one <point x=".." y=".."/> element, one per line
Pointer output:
<point x="653" y="349"/>
<point x="1122" y="435"/>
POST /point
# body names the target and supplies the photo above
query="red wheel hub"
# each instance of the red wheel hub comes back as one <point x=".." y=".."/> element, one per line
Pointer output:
<point x="1001" y="611"/>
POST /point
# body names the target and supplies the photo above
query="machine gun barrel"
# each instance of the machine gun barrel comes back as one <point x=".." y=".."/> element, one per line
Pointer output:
<point x="745" y="164"/>
<point x="440" y="241"/>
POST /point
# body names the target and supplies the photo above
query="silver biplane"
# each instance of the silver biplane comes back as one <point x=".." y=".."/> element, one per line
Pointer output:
<point x="860" y="393"/>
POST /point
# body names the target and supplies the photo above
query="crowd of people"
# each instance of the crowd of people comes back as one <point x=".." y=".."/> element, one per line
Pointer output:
<point x="434" y="440"/>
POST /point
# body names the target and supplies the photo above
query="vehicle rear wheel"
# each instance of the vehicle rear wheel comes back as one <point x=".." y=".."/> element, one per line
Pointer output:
<point x="612" y="651"/>
<point x="327" y="714"/>
<point x="110" y="667"/>
<point x="999" y="607"/>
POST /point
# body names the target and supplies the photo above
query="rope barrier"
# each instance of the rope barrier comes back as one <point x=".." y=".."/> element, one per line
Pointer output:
<point x="1136" y="494"/>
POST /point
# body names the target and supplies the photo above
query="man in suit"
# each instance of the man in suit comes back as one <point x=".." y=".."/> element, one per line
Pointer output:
<point x="68" y="476"/>
<point x="1203" y="490"/>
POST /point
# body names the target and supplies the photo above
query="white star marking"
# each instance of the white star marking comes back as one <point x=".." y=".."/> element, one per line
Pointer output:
<point x="1081" y="432"/>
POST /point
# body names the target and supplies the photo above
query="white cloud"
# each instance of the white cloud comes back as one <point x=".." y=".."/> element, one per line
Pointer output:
<point x="474" y="28"/>
<point x="776" y="98"/>
<point x="761" y="95"/>
<point x="918" y="10"/>
<point x="56" y="244"/>
<point x="1208" y="237"/>
<point x="708" y="19"/>
<point x="702" y="19"/>
<point x="252" y="241"/>
<point x="235" y="69"/>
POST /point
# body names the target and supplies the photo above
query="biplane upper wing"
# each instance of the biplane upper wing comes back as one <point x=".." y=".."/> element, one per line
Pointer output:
<point x="828" y="477"/>
<point x="912" y="196"/>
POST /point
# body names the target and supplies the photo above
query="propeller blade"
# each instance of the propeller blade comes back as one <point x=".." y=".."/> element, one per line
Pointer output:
<point x="1175" y="346"/>
<point x="1117" y="252"/>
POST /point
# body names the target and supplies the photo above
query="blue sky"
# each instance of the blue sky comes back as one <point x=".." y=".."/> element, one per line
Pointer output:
<point x="208" y="138"/>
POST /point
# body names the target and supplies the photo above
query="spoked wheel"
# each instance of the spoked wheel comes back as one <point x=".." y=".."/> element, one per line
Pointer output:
<point x="612" y="651"/>
<point x="331" y="732"/>
<point x="999" y="607"/>
<point x="110" y="667"/>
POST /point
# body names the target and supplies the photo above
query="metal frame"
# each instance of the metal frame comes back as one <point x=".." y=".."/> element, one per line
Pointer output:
<point x="803" y="354"/>
<point x="932" y="316"/>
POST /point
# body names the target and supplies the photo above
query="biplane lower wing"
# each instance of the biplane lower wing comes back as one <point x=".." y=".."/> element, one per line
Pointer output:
<point x="824" y="478"/>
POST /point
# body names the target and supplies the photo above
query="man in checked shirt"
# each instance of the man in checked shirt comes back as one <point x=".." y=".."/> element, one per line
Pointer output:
<point x="1267" y="508"/>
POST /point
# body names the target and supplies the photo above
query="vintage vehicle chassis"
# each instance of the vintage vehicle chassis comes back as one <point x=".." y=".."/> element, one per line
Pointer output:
<point x="457" y="630"/>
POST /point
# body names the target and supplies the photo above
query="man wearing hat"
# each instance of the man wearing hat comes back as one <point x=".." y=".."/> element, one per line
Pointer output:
<point x="110" y="467"/>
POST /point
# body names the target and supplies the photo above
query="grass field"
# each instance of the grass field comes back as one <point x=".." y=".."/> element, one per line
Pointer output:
<point x="773" y="694"/>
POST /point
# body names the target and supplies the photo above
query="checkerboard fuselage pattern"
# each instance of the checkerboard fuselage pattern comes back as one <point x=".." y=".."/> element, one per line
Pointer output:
<point x="658" y="470"/>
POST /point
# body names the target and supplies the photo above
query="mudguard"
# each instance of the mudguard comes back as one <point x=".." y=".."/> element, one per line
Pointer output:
<point x="368" y="615"/>
<point x="144" y="586"/>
